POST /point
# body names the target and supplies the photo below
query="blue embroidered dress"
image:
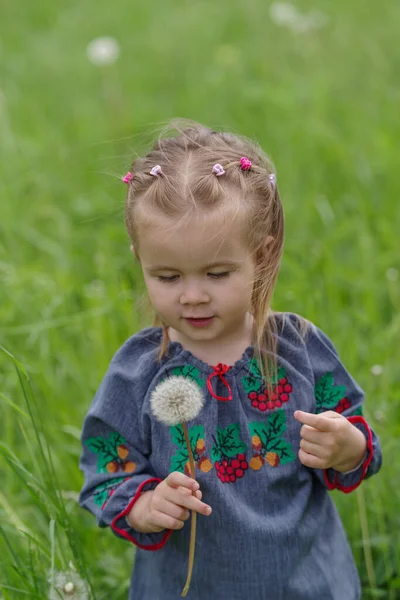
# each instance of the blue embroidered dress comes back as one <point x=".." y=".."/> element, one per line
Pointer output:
<point x="274" y="533"/>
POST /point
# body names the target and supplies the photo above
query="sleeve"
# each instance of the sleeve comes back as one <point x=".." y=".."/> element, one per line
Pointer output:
<point x="115" y="453"/>
<point x="335" y="389"/>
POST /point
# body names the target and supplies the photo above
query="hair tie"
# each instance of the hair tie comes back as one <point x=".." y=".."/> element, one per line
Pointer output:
<point x="245" y="163"/>
<point x="218" y="170"/>
<point x="128" y="177"/>
<point x="156" y="171"/>
<point x="272" y="178"/>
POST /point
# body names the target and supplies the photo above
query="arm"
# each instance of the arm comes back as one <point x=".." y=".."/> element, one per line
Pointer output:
<point x="120" y="486"/>
<point x="352" y="450"/>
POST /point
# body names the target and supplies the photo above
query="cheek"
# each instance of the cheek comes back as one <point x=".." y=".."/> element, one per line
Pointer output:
<point x="160" y="297"/>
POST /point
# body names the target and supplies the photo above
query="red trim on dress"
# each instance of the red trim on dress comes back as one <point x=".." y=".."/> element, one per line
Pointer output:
<point x="220" y="370"/>
<point x="125" y="534"/>
<point x="335" y="484"/>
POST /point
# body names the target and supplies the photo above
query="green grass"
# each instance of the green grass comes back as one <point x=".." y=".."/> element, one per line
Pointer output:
<point x="324" y="105"/>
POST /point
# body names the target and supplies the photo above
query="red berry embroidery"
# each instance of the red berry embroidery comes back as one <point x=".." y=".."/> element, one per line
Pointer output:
<point x="228" y="454"/>
<point x="343" y="405"/>
<point x="255" y="386"/>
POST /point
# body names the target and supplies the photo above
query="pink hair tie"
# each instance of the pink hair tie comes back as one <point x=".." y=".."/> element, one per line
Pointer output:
<point x="272" y="178"/>
<point x="245" y="163"/>
<point x="218" y="170"/>
<point x="128" y="177"/>
<point x="156" y="171"/>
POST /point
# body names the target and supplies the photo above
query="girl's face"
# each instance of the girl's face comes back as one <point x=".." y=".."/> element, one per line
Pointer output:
<point x="200" y="270"/>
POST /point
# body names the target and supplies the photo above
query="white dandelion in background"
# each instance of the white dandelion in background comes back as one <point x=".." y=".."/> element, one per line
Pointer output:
<point x="287" y="15"/>
<point x="68" y="585"/>
<point x="379" y="416"/>
<point x="377" y="370"/>
<point x="392" y="274"/>
<point x="94" y="289"/>
<point x="103" y="51"/>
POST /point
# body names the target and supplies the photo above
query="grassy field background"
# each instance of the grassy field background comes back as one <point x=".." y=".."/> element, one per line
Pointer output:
<point x="317" y="84"/>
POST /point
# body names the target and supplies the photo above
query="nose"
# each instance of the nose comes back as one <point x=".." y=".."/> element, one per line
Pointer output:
<point x="194" y="293"/>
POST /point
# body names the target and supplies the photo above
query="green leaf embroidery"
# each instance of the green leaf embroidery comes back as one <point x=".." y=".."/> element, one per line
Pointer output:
<point x="179" y="460"/>
<point x="270" y="434"/>
<point x="282" y="448"/>
<point x="178" y="437"/>
<point x="273" y="428"/>
<point x="106" y="449"/>
<point x="251" y="384"/>
<point x="255" y="380"/>
<point x="229" y="442"/>
<point x="327" y="395"/>
<point x="103" y="490"/>
<point x="190" y="372"/>
<point x="196" y="433"/>
<point x="276" y="423"/>
<point x="115" y="439"/>
<point x="100" y="497"/>
<point x="358" y="411"/>
<point x="254" y="367"/>
<point x="215" y="453"/>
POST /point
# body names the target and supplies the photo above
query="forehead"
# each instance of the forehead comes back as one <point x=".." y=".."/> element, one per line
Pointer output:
<point x="190" y="242"/>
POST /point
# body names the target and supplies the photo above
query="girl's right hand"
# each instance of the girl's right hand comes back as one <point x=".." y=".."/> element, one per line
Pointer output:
<point x="168" y="505"/>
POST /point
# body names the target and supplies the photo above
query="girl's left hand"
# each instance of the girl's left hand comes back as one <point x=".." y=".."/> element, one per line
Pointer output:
<point x="329" y="440"/>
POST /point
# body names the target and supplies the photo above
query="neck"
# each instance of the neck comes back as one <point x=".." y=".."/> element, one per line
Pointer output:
<point x="225" y="350"/>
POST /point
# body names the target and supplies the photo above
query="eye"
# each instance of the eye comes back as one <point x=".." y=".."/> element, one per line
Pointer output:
<point x="219" y="275"/>
<point x="169" y="279"/>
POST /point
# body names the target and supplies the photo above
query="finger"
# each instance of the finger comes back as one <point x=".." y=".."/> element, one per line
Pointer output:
<point x="176" y="479"/>
<point x="187" y="501"/>
<point x="198" y="494"/>
<point x="314" y="449"/>
<point x="320" y="422"/>
<point x="163" y="521"/>
<point x="173" y="510"/>
<point x="309" y="460"/>
<point x="310" y="434"/>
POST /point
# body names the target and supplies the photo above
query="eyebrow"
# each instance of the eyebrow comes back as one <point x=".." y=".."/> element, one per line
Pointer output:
<point x="226" y="263"/>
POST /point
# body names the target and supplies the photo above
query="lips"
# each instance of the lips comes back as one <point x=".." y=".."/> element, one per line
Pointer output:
<point x="200" y="322"/>
<point x="198" y="318"/>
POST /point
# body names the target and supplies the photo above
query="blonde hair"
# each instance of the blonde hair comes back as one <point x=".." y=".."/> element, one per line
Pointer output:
<point x="187" y="152"/>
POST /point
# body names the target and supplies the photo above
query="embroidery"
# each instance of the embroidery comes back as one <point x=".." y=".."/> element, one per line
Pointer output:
<point x="254" y="385"/>
<point x="343" y="405"/>
<point x="328" y="395"/>
<point x="104" y="491"/>
<point x="228" y="454"/>
<point x="268" y="443"/>
<point x="189" y="371"/>
<point x="112" y="454"/>
<point x="180" y="460"/>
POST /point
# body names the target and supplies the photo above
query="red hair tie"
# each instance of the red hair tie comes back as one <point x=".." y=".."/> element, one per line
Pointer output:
<point x="128" y="177"/>
<point x="245" y="163"/>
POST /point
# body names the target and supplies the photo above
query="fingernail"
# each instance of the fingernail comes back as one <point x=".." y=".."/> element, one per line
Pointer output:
<point x="209" y="510"/>
<point x="196" y="486"/>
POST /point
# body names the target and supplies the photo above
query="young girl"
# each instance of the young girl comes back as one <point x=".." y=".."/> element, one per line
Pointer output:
<point x="282" y="419"/>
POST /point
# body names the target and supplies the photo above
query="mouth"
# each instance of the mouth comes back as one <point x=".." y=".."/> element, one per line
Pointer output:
<point x="199" y="322"/>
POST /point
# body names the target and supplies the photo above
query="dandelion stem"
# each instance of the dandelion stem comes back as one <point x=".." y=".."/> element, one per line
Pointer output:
<point x="194" y="516"/>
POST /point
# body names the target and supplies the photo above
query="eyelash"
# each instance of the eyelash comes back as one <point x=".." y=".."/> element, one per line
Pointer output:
<point x="212" y="275"/>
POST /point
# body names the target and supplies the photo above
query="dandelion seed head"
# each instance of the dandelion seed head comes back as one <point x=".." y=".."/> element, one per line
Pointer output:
<point x="377" y="370"/>
<point x="176" y="400"/>
<point x="392" y="274"/>
<point x="103" y="51"/>
<point x="287" y="15"/>
<point x="68" y="585"/>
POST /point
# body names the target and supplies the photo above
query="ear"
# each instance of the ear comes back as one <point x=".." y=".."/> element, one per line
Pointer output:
<point x="134" y="252"/>
<point x="268" y="240"/>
